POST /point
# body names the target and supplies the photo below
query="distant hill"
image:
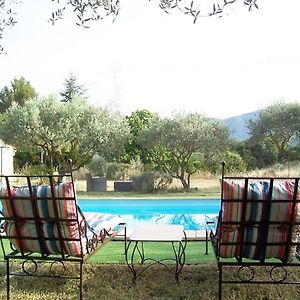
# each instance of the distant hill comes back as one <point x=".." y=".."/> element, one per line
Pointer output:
<point x="238" y="125"/>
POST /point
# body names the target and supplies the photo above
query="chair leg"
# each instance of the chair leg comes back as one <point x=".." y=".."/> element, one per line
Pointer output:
<point x="81" y="281"/>
<point x="7" y="279"/>
<point x="206" y="242"/>
<point x="220" y="283"/>
<point x="125" y="240"/>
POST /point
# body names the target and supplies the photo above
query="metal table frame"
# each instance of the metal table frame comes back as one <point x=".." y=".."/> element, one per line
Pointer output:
<point x="174" y="234"/>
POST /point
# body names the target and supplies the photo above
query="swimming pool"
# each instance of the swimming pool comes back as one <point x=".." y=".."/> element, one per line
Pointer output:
<point x="191" y="213"/>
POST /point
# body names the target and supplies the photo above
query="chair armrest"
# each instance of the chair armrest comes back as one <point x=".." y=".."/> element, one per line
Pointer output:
<point x="97" y="228"/>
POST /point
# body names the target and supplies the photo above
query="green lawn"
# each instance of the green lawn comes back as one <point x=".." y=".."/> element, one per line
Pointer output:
<point x="107" y="276"/>
<point x="113" y="252"/>
<point x="203" y="194"/>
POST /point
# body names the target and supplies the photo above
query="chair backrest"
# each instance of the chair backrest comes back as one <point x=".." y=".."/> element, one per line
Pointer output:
<point x="40" y="215"/>
<point x="259" y="218"/>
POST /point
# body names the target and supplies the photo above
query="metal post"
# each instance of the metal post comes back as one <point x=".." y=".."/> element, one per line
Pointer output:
<point x="7" y="279"/>
<point x="220" y="283"/>
<point x="206" y="242"/>
<point x="81" y="281"/>
<point x="125" y="239"/>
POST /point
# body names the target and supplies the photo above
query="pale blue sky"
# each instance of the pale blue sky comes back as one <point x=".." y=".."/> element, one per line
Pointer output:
<point x="146" y="59"/>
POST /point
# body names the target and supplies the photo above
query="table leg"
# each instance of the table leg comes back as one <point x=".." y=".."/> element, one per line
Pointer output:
<point x="179" y="256"/>
<point x="141" y="252"/>
<point x="130" y="263"/>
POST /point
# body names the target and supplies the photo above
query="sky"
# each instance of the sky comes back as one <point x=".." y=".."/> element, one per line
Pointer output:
<point x="146" y="59"/>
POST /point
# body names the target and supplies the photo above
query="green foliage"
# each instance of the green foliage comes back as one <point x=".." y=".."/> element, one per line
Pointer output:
<point x="198" y="9"/>
<point x="176" y="144"/>
<point x="37" y="170"/>
<point x="98" y="166"/>
<point x="278" y="124"/>
<point x="259" y="155"/>
<point x="162" y="181"/>
<point x="143" y="182"/>
<point x="19" y="92"/>
<point x="61" y="131"/>
<point x="87" y="11"/>
<point x="5" y="99"/>
<point x="115" y="171"/>
<point x="72" y="89"/>
<point x="137" y="121"/>
<point x="7" y="20"/>
<point x="196" y="162"/>
<point x="234" y="163"/>
<point x="24" y="157"/>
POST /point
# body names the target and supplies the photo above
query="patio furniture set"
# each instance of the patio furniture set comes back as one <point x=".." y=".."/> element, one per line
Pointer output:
<point x="258" y="226"/>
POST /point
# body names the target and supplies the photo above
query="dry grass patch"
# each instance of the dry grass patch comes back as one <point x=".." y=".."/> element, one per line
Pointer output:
<point x="115" y="282"/>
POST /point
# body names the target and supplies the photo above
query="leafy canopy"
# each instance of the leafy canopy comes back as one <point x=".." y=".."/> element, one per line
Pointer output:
<point x="72" y="89"/>
<point x="88" y="11"/>
<point x="278" y="124"/>
<point x="180" y="144"/>
<point x="20" y="91"/>
<point x="137" y="121"/>
<point x="61" y="131"/>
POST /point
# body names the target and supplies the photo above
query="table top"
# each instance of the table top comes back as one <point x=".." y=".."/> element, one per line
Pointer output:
<point x="157" y="233"/>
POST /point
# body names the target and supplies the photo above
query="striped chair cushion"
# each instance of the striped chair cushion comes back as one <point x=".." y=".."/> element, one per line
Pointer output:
<point x="68" y="216"/>
<point x="31" y="241"/>
<point x="100" y="221"/>
<point x="23" y="207"/>
<point x="72" y="243"/>
<point x="255" y="218"/>
<point x="276" y="234"/>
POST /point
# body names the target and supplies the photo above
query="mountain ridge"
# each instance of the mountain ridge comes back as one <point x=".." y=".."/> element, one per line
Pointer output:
<point x="238" y="125"/>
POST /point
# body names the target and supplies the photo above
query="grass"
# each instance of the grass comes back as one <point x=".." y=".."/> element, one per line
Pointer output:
<point x="201" y="187"/>
<point x="106" y="276"/>
<point x="113" y="253"/>
<point x="115" y="282"/>
<point x="203" y="194"/>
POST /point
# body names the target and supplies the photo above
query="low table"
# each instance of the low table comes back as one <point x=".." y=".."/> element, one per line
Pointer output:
<point x="173" y="234"/>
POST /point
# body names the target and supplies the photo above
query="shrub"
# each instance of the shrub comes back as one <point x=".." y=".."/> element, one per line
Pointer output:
<point x="98" y="167"/>
<point x="36" y="170"/>
<point x="144" y="182"/>
<point x="162" y="181"/>
<point x="115" y="171"/>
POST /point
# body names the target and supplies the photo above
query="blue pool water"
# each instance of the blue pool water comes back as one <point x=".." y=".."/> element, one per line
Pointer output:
<point x="193" y="214"/>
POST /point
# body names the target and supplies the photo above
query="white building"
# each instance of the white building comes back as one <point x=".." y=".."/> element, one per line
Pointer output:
<point x="6" y="159"/>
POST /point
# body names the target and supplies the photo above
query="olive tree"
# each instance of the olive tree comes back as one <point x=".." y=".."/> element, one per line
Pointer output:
<point x="94" y="10"/>
<point x="72" y="130"/>
<point x="278" y="124"/>
<point x="88" y="11"/>
<point x="182" y="144"/>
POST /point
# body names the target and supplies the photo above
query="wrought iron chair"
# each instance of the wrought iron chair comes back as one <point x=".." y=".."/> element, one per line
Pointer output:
<point x="258" y="226"/>
<point x="43" y="223"/>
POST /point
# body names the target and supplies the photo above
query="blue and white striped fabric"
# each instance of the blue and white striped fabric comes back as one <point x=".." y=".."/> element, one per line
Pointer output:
<point x="100" y="221"/>
<point x="43" y="236"/>
<point x="256" y="218"/>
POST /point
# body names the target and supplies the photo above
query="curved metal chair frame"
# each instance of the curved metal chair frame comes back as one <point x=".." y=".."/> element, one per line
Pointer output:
<point x="88" y="241"/>
<point x="246" y="268"/>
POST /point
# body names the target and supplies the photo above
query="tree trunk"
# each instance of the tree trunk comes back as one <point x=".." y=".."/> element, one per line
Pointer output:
<point x="189" y="180"/>
<point x="185" y="184"/>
